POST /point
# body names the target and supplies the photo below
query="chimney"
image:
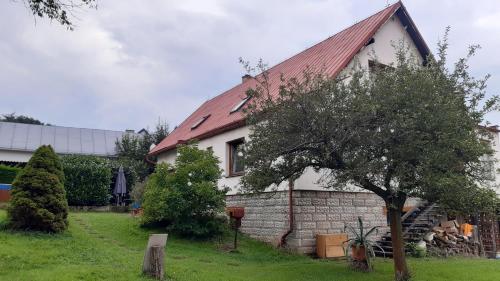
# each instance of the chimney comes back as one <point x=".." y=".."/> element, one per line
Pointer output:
<point x="245" y="78"/>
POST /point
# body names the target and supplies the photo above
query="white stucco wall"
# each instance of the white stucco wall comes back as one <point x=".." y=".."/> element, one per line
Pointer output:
<point x="495" y="145"/>
<point x="220" y="148"/>
<point x="388" y="35"/>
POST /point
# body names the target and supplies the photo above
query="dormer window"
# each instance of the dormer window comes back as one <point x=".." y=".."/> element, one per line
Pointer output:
<point x="239" y="105"/>
<point x="199" y="122"/>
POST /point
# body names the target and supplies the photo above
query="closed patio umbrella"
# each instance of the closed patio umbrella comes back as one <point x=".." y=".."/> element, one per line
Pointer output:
<point x="120" y="186"/>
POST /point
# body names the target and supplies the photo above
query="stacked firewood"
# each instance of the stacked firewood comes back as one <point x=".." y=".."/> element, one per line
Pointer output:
<point x="446" y="240"/>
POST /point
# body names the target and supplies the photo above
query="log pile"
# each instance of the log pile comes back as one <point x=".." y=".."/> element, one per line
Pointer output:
<point x="446" y="240"/>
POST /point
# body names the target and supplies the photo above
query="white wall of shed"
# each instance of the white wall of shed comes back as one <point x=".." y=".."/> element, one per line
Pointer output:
<point x="15" y="156"/>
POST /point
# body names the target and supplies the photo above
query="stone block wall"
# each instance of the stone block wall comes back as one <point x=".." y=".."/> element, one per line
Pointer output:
<point x="315" y="212"/>
<point x="266" y="215"/>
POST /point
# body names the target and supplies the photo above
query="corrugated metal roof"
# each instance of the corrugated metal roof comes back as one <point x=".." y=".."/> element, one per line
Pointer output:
<point x="64" y="140"/>
<point x="332" y="55"/>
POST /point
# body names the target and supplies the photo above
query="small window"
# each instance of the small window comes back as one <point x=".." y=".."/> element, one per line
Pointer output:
<point x="375" y="66"/>
<point x="239" y="105"/>
<point x="199" y="122"/>
<point x="236" y="157"/>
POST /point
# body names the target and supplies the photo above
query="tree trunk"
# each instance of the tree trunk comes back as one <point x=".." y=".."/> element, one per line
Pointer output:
<point x="398" y="251"/>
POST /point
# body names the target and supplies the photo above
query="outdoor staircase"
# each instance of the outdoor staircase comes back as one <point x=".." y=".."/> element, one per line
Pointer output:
<point x="416" y="223"/>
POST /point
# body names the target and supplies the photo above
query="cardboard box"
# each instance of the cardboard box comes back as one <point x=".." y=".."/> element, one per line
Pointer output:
<point x="331" y="245"/>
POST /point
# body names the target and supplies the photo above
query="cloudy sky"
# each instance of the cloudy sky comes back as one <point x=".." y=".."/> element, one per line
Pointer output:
<point x="131" y="62"/>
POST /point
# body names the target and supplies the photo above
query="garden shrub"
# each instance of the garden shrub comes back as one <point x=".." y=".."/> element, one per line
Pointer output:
<point x="38" y="200"/>
<point x="186" y="196"/>
<point x="137" y="192"/>
<point x="155" y="194"/>
<point x="88" y="180"/>
<point x="8" y="173"/>
<point x="415" y="250"/>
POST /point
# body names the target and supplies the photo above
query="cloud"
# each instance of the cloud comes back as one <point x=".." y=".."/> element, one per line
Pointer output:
<point x="125" y="65"/>
<point x="489" y="21"/>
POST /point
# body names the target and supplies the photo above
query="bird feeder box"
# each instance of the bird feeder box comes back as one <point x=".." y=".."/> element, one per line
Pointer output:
<point x="235" y="214"/>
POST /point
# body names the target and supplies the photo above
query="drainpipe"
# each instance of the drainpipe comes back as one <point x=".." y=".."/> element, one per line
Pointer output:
<point x="149" y="160"/>
<point x="282" y="242"/>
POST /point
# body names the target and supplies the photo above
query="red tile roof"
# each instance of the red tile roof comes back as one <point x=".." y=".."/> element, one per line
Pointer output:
<point x="332" y="54"/>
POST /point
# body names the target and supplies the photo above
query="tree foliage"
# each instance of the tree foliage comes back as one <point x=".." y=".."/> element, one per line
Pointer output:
<point x="186" y="196"/>
<point x="58" y="10"/>
<point x="38" y="199"/>
<point x="399" y="131"/>
<point x="136" y="147"/>
<point x="13" y="118"/>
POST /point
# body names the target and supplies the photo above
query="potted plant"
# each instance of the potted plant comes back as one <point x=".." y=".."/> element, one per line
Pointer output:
<point x="361" y="246"/>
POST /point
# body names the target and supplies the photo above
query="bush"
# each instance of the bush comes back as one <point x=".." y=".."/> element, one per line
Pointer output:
<point x="186" y="198"/>
<point x="38" y="199"/>
<point x="155" y="195"/>
<point x="415" y="250"/>
<point x="8" y="173"/>
<point x="137" y="193"/>
<point x="88" y="180"/>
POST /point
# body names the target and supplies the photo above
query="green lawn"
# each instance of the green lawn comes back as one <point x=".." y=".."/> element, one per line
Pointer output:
<point x="107" y="246"/>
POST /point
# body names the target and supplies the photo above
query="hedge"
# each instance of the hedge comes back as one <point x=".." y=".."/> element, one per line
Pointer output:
<point x="8" y="173"/>
<point x="88" y="180"/>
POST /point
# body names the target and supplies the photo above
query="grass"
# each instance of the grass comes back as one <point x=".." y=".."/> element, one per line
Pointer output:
<point x="107" y="246"/>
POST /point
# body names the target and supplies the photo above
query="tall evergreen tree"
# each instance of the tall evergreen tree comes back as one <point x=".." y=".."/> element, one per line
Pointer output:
<point x="38" y="199"/>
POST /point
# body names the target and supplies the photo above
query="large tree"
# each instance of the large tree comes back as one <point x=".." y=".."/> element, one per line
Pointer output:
<point x="136" y="147"/>
<point x="399" y="131"/>
<point x="59" y="10"/>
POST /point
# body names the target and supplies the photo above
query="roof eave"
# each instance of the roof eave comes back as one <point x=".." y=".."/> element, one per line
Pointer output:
<point x="228" y="127"/>
<point x="413" y="31"/>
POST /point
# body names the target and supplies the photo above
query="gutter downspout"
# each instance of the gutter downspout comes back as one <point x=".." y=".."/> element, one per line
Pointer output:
<point x="282" y="242"/>
<point x="149" y="160"/>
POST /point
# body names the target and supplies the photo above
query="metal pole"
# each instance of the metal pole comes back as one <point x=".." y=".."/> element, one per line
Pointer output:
<point x="235" y="238"/>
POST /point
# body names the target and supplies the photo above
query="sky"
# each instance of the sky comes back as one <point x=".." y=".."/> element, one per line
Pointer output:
<point x="129" y="63"/>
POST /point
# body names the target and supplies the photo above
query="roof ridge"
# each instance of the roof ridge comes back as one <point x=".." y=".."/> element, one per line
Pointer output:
<point x="340" y="48"/>
<point x="335" y="34"/>
<point x="68" y="127"/>
<point x="310" y="47"/>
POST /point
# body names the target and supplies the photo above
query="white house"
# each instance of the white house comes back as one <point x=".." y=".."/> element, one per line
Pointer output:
<point x="219" y="124"/>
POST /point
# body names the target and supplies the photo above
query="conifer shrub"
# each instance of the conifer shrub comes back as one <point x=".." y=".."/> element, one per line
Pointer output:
<point x="38" y="199"/>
